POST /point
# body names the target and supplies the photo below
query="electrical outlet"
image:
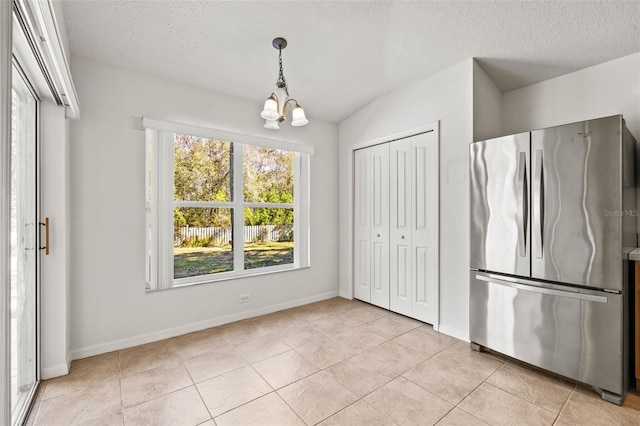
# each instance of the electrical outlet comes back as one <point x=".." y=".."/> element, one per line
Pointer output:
<point x="245" y="298"/>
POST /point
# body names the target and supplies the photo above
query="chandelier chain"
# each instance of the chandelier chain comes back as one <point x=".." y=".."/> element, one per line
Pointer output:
<point x="281" y="78"/>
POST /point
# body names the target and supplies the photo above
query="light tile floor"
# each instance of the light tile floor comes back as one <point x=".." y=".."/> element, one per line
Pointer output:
<point x="335" y="362"/>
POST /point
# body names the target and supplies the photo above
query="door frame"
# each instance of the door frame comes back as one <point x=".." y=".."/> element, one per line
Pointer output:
<point x="28" y="80"/>
<point x="6" y="46"/>
<point x="431" y="127"/>
<point x="11" y="63"/>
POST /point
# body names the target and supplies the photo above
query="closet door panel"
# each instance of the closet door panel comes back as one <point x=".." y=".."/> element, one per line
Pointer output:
<point x="362" y="225"/>
<point x="380" y="225"/>
<point x="400" y="229"/>
<point x="424" y="231"/>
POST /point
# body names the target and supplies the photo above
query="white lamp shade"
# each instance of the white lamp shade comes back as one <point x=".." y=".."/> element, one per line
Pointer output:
<point x="271" y="124"/>
<point x="270" y="111"/>
<point x="298" y="118"/>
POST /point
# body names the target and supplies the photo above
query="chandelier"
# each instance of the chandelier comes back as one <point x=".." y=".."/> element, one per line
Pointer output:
<point x="279" y="104"/>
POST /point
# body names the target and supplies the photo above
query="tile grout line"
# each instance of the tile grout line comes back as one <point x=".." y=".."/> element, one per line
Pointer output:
<point x="518" y="396"/>
<point x="157" y="397"/>
<point x="120" y="386"/>
<point x="474" y="389"/>
<point x="565" y="404"/>
<point x="205" y="405"/>
<point x="231" y="409"/>
<point x="471" y="414"/>
<point x="427" y="390"/>
<point x="290" y="407"/>
<point x="163" y="395"/>
<point x="195" y="385"/>
<point x="325" y="369"/>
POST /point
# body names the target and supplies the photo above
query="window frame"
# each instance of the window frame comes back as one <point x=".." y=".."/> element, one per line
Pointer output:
<point x="159" y="226"/>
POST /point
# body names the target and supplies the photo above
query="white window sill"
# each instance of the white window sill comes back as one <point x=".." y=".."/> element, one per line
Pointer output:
<point x="226" y="276"/>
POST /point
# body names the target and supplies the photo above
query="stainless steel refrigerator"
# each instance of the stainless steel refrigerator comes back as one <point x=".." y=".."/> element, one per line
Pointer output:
<point x="552" y="220"/>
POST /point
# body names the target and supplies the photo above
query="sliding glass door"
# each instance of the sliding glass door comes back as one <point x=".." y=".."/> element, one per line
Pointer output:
<point x="24" y="252"/>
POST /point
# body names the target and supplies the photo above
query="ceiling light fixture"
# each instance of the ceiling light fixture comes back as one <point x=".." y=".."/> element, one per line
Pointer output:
<point x="278" y="104"/>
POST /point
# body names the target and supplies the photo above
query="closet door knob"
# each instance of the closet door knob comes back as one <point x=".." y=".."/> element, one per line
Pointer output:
<point x="378" y="235"/>
<point x="403" y="237"/>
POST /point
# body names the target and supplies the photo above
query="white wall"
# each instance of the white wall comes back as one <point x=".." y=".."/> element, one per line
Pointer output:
<point x="447" y="97"/>
<point x="109" y="306"/>
<point x="55" y="202"/>
<point x="61" y="26"/>
<point x="599" y="91"/>
<point x="487" y="106"/>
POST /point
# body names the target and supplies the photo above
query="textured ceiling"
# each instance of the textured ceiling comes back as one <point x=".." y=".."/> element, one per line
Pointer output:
<point x="343" y="54"/>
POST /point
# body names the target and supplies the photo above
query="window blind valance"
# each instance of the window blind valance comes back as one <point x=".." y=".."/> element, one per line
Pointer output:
<point x="206" y="132"/>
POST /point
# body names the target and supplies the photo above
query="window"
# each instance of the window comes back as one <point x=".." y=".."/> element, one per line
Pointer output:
<point x="219" y="208"/>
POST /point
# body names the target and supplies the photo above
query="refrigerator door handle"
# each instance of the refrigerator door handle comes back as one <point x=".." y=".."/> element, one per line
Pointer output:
<point x="549" y="291"/>
<point x="538" y="203"/>
<point x="523" y="205"/>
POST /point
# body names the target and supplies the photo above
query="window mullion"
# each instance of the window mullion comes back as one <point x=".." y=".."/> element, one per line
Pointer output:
<point x="203" y="204"/>
<point x="238" y="208"/>
<point x="269" y="205"/>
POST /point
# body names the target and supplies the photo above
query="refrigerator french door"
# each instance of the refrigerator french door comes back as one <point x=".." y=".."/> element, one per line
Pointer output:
<point x="551" y="215"/>
<point x="500" y="240"/>
<point x="578" y="210"/>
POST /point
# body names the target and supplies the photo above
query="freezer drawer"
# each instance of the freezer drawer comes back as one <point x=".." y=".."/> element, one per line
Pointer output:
<point x="577" y="335"/>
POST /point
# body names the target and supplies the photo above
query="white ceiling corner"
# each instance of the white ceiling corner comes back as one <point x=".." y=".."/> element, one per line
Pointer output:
<point x="343" y="54"/>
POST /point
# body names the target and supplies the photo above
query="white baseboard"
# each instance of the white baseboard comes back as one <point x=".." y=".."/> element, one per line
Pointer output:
<point x="346" y="295"/>
<point x="115" y="345"/>
<point x="453" y="332"/>
<point x="55" y="370"/>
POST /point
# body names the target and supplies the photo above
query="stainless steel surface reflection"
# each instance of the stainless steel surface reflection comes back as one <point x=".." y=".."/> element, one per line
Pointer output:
<point x="565" y="332"/>
<point x="499" y="198"/>
<point x="577" y="226"/>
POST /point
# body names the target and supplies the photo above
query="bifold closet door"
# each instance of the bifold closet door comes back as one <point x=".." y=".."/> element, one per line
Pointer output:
<point x="400" y="171"/>
<point x="424" y="220"/>
<point x="371" y="230"/>
<point x="380" y="225"/>
<point x="413" y="227"/>
<point x="362" y="225"/>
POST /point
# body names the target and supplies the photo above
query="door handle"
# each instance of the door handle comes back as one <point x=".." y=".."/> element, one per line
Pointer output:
<point x="541" y="290"/>
<point x="538" y="203"/>
<point x="523" y="204"/>
<point x="46" y="236"/>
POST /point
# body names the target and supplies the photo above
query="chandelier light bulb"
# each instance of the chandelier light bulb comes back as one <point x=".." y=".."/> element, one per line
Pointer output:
<point x="298" y="117"/>
<point x="270" y="111"/>
<point x="271" y="124"/>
